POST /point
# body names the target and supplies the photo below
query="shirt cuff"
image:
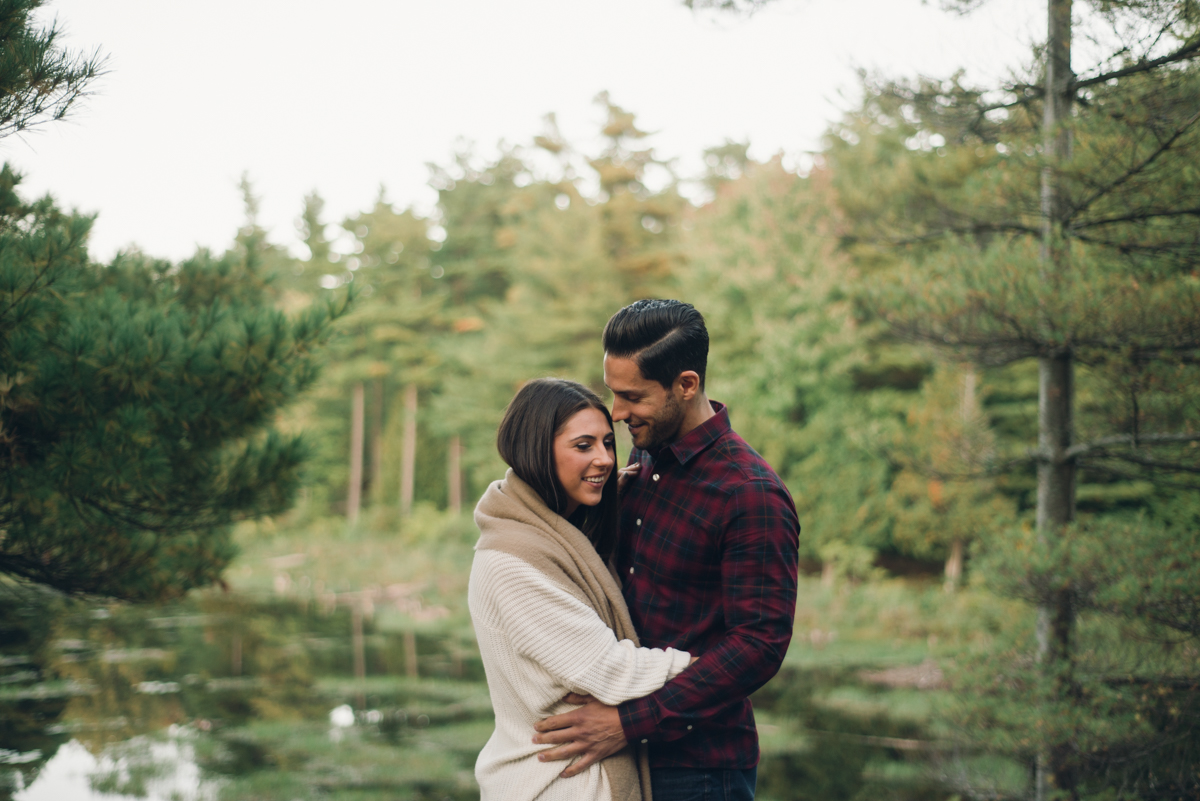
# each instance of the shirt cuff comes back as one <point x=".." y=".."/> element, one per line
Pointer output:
<point x="638" y="720"/>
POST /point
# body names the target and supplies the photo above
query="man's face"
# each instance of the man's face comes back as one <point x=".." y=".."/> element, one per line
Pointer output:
<point x="653" y="414"/>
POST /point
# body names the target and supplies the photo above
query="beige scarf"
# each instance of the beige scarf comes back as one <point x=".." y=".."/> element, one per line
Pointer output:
<point x="514" y="520"/>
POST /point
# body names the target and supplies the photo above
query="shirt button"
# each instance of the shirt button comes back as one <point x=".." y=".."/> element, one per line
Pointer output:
<point x="689" y="728"/>
<point x="639" y="522"/>
<point x="645" y="741"/>
<point x="631" y="571"/>
<point x="655" y="476"/>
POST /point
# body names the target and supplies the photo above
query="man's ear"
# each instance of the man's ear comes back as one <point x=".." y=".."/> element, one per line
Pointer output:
<point x="689" y="384"/>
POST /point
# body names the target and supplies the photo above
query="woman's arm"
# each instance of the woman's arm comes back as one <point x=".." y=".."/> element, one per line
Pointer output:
<point x="553" y="628"/>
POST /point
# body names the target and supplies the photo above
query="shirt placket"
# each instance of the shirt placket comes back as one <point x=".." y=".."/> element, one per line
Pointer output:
<point x="646" y="502"/>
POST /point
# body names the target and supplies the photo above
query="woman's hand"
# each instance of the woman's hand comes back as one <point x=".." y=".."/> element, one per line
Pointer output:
<point x="627" y="474"/>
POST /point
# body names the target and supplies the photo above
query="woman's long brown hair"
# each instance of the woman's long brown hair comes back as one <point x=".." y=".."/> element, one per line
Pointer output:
<point x="526" y="443"/>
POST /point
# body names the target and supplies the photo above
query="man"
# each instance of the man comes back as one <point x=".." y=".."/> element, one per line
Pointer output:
<point x="708" y="557"/>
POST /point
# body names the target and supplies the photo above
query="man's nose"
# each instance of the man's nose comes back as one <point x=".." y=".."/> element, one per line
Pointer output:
<point x="620" y="410"/>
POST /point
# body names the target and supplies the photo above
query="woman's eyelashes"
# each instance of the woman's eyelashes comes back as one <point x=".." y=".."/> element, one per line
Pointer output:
<point x="583" y="446"/>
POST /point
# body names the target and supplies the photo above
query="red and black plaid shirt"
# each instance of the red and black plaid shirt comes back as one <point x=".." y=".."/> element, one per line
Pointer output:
<point x="708" y="559"/>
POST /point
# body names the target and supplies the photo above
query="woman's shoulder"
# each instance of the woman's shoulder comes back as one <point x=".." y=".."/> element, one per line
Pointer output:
<point x="494" y="565"/>
<point x="501" y="577"/>
<point x="490" y="562"/>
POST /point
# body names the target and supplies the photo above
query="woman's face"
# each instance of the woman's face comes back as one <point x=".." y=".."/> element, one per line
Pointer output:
<point x="584" y="455"/>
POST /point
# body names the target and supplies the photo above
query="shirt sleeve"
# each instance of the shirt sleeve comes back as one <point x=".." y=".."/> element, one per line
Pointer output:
<point x="565" y="637"/>
<point x="759" y="562"/>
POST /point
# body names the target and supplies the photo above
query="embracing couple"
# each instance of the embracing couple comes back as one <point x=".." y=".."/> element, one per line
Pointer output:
<point x="625" y="616"/>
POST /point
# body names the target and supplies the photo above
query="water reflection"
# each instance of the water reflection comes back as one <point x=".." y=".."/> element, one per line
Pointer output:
<point x="222" y="696"/>
<point x="227" y="697"/>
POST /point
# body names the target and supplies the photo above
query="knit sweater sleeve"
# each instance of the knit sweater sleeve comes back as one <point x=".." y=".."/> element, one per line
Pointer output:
<point x="566" y="638"/>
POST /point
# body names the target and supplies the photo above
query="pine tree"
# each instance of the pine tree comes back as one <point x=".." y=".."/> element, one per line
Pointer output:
<point x="940" y="500"/>
<point x="137" y="400"/>
<point x="136" y="408"/>
<point x="386" y="343"/>
<point x="1055" y="220"/>
<point x="810" y="378"/>
<point x="547" y="266"/>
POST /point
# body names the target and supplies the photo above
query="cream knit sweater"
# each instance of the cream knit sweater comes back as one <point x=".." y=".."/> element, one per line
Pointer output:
<point x="540" y="641"/>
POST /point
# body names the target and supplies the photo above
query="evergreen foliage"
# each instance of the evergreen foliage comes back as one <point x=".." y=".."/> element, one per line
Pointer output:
<point x="39" y="81"/>
<point x="137" y="403"/>
<point x="1056" y="221"/>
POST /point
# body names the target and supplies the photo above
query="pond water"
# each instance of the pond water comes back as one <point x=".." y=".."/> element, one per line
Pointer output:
<point x="228" y="697"/>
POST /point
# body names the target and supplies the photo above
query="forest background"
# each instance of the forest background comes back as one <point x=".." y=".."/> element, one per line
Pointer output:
<point x="967" y="339"/>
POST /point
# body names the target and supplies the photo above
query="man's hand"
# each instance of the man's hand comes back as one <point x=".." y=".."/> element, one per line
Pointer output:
<point x="591" y="733"/>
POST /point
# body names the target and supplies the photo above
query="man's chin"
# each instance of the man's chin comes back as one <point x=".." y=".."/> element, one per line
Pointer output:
<point x="644" y="441"/>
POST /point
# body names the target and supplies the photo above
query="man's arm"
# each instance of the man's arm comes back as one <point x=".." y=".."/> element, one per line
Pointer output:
<point x="593" y="730"/>
<point x="758" y="575"/>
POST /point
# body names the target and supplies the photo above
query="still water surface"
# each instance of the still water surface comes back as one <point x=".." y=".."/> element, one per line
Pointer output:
<point x="228" y="697"/>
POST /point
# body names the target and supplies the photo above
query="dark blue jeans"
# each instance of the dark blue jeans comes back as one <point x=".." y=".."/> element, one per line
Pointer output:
<point x="694" y="784"/>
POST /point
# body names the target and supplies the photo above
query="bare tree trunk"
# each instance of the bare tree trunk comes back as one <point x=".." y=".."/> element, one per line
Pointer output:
<point x="408" y="454"/>
<point x="454" y="469"/>
<point x="954" y="565"/>
<point x="968" y="401"/>
<point x="828" y="573"/>
<point x="354" y="494"/>
<point x="375" y="481"/>
<point x="1056" y="471"/>
<point x="954" y="562"/>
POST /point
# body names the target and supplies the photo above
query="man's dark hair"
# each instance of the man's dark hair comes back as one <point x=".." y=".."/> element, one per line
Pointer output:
<point x="526" y="443"/>
<point x="663" y="337"/>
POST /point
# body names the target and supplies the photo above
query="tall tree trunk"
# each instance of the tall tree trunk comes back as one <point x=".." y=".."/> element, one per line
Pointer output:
<point x="954" y="562"/>
<point x="968" y="403"/>
<point x="1056" y="471"/>
<point x="954" y="565"/>
<point x="375" y="480"/>
<point x="408" y="453"/>
<point x="354" y="493"/>
<point x="454" y="469"/>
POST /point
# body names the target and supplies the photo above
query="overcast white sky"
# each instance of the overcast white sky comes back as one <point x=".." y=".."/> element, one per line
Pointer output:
<point x="343" y="97"/>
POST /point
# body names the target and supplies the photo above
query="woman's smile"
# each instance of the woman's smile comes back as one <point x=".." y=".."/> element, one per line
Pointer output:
<point x="584" y="455"/>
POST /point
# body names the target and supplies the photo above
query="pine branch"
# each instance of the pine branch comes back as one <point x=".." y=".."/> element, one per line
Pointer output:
<point x="1140" y="216"/>
<point x="976" y="228"/>
<point x="1140" y="460"/>
<point x="1099" y="445"/>
<point x="1189" y="50"/>
<point x="1135" y="170"/>
<point x="48" y="264"/>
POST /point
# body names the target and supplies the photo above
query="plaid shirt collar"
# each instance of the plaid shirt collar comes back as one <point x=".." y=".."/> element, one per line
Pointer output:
<point x="695" y="441"/>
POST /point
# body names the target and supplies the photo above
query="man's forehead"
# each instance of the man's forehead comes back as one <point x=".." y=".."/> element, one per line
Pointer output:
<point x="622" y="371"/>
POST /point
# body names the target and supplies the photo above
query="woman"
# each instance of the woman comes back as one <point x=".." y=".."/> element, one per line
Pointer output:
<point x="548" y="613"/>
